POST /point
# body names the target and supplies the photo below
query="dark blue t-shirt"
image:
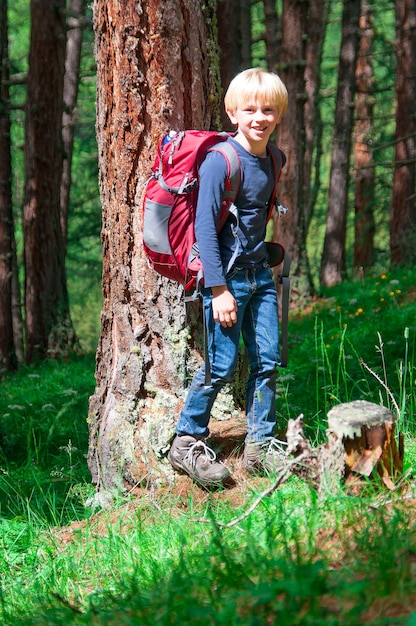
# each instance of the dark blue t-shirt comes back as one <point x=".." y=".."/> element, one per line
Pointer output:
<point x="216" y="250"/>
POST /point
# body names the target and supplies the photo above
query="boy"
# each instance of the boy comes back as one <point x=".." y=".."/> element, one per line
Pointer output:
<point x="242" y="300"/>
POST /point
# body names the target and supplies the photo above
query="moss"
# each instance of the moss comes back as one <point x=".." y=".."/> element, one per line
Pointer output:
<point x="178" y="341"/>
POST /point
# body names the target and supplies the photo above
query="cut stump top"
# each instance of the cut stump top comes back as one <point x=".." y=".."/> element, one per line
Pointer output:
<point x="347" y="419"/>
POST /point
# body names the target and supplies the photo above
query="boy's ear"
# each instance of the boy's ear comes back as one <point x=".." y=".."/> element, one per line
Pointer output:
<point x="232" y="117"/>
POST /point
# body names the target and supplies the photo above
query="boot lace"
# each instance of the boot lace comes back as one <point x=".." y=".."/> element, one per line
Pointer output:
<point x="197" y="449"/>
<point x="275" y="447"/>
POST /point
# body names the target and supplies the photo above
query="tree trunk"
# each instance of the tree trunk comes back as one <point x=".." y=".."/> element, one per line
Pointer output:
<point x="156" y="70"/>
<point x="71" y="81"/>
<point x="291" y="230"/>
<point x="403" y="205"/>
<point x="271" y="23"/>
<point x="229" y="40"/>
<point x="333" y="255"/>
<point x="49" y="329"/>
<point x="244" y="17"/>
<point x="17" y="308"/>
<point x="7" y="351"/>
<point x="363" y="169"/>
<point x="316" y="29"/>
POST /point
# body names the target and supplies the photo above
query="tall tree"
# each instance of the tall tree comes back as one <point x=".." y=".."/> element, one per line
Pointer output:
<point x="154" y="73"/>
<point x="244" y="17"/>
<point x="271" y="33"/>
<point x="229" y="40"/>
<point x="76" y="23"/>
<point x="364" y="178"/>
<point x="292" y="229"/>
<point x="403" y="204"/>
<point x="49" y="329"/>
<point x="333" y="255"/>
<point x="7" y="351"/>
<point x="316" y="30"/>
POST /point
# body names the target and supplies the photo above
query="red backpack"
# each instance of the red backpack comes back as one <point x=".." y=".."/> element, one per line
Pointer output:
<point x="171" y="197"/>
<point x="170" y="200"/>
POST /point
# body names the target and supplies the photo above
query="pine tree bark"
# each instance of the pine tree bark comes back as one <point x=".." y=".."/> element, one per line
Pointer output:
<point x="49" y="330"/>
<point x="403" y="204"/>
<point x="7" y="350"/>
<point x="76" y="23"/>
<point x="364" y="226"/>
<point x="229" y="40"/>
<point x="245" y="23"/>
<point x="271" y="31"/>
<point x="333" y="255"/>
<point x="291" y="230"/>
<point x="316" y="30"/>
<point x="156" y="70"/>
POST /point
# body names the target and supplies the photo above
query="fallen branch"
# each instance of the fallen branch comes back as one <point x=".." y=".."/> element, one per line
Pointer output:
<point x="280" y="478"/>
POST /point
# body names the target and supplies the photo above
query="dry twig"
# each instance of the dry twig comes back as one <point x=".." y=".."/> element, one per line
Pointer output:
<point x="280" y="478"/>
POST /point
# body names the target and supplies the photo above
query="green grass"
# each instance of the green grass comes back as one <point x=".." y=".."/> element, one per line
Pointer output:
<point x="163" y="557"/>
<point x="44" y="439"/>
<point x="360" y="323"/>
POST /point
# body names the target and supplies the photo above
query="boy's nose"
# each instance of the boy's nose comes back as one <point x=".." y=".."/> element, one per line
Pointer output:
<point x="259" y="115"/>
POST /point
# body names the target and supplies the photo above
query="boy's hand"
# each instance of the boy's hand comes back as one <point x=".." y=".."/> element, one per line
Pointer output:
<point x="224" y="306"/>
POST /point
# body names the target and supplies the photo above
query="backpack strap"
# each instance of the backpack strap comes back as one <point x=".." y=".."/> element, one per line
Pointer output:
<point x="284" y="280"/>
<point x="277" y="162"/>
<point x="231" y="187"/>
<point x="232" y="179"/>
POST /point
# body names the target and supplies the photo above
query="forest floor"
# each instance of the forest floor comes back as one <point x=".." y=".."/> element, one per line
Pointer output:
<point x="297" y="557"/>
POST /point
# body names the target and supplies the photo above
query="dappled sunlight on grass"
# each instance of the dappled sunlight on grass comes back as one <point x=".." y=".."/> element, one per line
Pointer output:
<point x="296" y="558"/>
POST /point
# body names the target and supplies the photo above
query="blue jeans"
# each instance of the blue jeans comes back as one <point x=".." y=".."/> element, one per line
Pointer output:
<point x="258" y="323"/>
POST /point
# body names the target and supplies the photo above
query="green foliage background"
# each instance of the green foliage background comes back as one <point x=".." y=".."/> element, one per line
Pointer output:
<point x="84" y="248"/>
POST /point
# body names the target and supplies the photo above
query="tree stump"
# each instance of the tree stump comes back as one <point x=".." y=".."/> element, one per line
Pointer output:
<point x="367" y="433"/>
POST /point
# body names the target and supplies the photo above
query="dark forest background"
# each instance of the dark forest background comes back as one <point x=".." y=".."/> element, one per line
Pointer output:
<point x="354" y="201"/>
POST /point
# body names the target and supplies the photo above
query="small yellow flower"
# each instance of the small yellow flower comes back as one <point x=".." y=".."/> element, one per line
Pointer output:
<point x="359" y="311"/>
<point x="383" y="277"/>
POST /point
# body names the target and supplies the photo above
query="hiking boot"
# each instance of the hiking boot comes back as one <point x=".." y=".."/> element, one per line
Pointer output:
<point x="264" y="456"/>
<point x="196" y="459"/>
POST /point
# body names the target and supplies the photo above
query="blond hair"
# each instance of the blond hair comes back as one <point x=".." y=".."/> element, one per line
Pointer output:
<point x="256" y="84"/>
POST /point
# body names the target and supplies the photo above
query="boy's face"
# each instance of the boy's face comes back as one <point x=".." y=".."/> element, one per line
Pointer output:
<point x="256" y="121"/>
